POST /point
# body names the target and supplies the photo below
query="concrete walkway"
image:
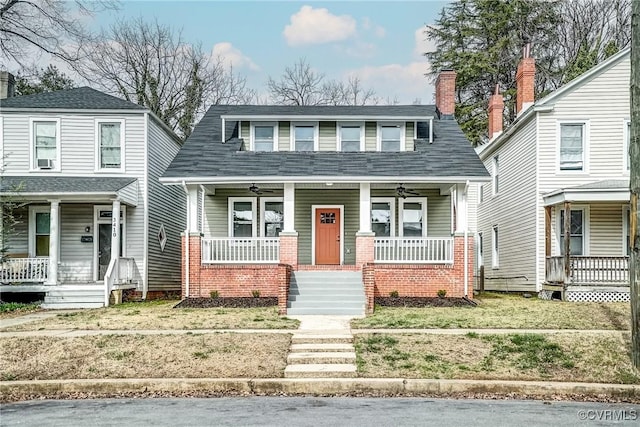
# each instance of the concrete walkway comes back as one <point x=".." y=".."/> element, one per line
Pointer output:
<point x="32" y="317"/>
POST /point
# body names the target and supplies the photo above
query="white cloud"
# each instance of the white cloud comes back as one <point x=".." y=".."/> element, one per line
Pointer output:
<point x="422" y="43"/>
<point x="406" y="82"/>
<point x="317" y="26"/>
<point x="233" y="56"/>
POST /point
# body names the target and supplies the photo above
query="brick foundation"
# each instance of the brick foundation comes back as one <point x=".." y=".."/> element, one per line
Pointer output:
<point x="420" y="280"/>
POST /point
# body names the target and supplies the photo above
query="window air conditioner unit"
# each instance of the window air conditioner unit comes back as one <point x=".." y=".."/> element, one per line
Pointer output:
<point x="45" y="163"/>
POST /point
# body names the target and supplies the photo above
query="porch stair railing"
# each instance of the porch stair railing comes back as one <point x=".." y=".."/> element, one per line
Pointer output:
<point x="24" y="270"/>
<point x="229" y="250"/>
<point x="415" y="250"/>
<point x="122" y="273"/>
<point x="588" y="271"/>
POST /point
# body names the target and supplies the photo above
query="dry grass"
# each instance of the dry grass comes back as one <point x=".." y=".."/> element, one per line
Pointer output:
<point x="223" y="355"/>
<point x="162" y="315"/>
<point x="581" y="357"/>
<point x="505" y="311"/>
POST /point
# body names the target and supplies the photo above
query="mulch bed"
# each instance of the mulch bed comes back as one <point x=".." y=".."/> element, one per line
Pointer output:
<point x="422" y="302"/>
<point x="230" y="302"/>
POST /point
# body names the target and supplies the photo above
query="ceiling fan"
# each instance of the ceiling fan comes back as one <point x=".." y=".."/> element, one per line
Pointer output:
<point x="402" y="191"/>
<point x="255" y="189"/>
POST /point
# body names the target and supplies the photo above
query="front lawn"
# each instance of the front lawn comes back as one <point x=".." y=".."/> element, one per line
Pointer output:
<point x="509" y="311"/>
<point x="14" y="309"/>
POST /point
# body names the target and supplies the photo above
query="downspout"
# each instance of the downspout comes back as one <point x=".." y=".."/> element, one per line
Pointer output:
<point x="187" y="239"/>
<point x="466" y="244"/>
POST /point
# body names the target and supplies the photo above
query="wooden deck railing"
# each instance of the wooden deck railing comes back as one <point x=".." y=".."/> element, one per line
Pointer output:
<point x="419" y="250"/>
<point x="588" y="270"/>
<point x="24" y="270"/>
<point x="229" y="250"/>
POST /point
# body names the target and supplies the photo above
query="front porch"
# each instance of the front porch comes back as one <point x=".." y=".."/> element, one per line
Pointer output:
<point x="587" y="243"/>
<point x="241" y="243"/>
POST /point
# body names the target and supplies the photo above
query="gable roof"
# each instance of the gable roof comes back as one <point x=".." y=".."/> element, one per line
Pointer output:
<point x="546" y="104"/>
<point x="206" y="158"/>
<point x="82" y="98"/>
<point x="62" y="184"/>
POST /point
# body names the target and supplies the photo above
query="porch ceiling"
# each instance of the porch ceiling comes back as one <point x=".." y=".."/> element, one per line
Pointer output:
<point x="598" y="191"/>
<point x="70" y="188"/>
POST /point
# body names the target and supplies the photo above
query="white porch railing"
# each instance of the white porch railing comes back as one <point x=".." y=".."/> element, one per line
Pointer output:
<point x="24" y="270"/>
<point x="127" y="275"/>
<point x="419" y="250"/>
<point x="229" y="250"/>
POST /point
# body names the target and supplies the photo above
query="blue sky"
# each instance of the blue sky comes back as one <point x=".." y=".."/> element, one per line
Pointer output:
<point x="379" y="41"/>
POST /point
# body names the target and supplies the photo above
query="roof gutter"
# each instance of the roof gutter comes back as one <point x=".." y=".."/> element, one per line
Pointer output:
<point x="187" y="238"/>
<point x="315" y="179"/>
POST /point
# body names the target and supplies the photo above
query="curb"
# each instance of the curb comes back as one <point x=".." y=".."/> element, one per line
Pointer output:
<point x="17" y="390"/>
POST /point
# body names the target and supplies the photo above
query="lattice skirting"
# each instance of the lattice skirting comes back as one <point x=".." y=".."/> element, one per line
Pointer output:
<point x="596" y="296"/>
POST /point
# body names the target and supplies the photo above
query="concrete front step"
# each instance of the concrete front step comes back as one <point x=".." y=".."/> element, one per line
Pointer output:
<point x="321" y="347"/>
<point x="320" y="370"/>
<point x="315" y="357"/>
<point x="337" y="311"/>
<point x="71" y="305"/>
<point x="327" y="302"/>
<point x="321" y="338"/>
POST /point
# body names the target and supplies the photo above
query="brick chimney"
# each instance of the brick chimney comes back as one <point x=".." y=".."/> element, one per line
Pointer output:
<point x="7" y="84"/>
<point x="496" y="110"/>
<point x="525" y="80"/>
<point x="446" y="94"/>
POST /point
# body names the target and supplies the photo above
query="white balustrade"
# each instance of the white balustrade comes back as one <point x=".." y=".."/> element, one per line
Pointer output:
<point x="418" y="250"/>
<point x="15" y="270"/>
<point x="230" y="250"/>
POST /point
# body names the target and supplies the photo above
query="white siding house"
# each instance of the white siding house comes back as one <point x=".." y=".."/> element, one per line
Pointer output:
<point x="80" y="174"/>
<point x="565" y="152"/>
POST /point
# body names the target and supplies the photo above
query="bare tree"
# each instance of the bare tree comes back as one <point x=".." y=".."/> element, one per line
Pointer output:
<point x="634" y="187"/>
<point x="301" y="85"/>
<point x="150" y="64"/>
<point x="49" y="26"/>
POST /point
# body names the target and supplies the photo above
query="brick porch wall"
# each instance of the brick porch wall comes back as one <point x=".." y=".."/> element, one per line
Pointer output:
<point x="420" y="280"/>
<point x="234" y="280"/>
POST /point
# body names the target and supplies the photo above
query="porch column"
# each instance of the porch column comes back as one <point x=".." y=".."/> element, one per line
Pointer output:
<point x="460" y="208"/>
<point x="54" y="242"/>
<point x="289" y="207"/>
<point x="567" y="242"/>
<point x="192" y="209"/>
<point x="365" y="207"/>
<point x="115" y="233"/>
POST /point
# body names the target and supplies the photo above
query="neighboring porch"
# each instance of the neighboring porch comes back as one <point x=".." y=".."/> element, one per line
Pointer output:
<point x="73" y="247"/>
<point x="252" y="238"/>
<point x="587" y="255"/>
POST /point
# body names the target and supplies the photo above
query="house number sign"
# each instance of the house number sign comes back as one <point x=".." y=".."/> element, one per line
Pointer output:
<point x="114" y="227"/>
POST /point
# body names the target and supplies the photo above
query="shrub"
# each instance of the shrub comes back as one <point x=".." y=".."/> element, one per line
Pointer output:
<point x="255" y="293"/>
<point x="442" y="293"/>
<point x="214" y="294"/>
<point x="394" y="294"/>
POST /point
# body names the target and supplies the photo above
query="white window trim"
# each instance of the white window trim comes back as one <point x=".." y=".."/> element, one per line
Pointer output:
<point x="98" y="122"/>
<point x="252" y="134"/>
<point x="33" y="210"/>
<point x="96" y="234"/>
<point x="392" y="206"/>
<point x="32" y="144"/>
<point x="314" y="208"/>
<point x="586" y="215"/>
<point x="585" y="146"/>
<point x="349" y="124"/>
<point x="380" y="125"/>
<point x="422" y="200"/>
<point x="254" y="223"/>
<point x="292" y="133"/>
<point x="263" y="202"/>
<point x="495" y="247"/>
<point x="495" y="168"/>
<point x="625" y="146"/>
<point x="626" y="211"/>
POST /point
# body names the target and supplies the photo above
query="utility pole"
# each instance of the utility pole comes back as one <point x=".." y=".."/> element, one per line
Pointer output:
<point x="634" y="184"/>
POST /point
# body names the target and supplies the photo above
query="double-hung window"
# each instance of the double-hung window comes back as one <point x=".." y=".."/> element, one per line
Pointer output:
<point x="304" y="136"/>
<point x="495" y="248"/>
<point x="350" y="137"/>
<point x="627" y="144"/>
<point x="271" y="216"/>
<point x="390" y="137"/>
<point x="382" y="216"/>
<point x="264" y="136"/>
<point x="46" y="144"/>
<point x="577" y="231"/>
<point x="110" y="144"/>
<point x="242" y="217"/>
<point x="413" y="217"/>
<point x="39" y="231"/>
<point x="496" y="175"/>
<point x="572" y="146"/>
<point x="480" y="249"/>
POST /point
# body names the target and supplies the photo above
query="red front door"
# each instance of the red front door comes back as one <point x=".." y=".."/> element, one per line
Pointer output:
<point x="327" y="236"/>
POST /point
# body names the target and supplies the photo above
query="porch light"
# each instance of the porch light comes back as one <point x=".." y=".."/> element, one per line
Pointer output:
<point x="328" y="184"/>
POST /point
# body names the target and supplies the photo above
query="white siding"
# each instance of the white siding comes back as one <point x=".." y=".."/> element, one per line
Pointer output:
<point x="167" y="206"/>
<point x="513" y="210"/>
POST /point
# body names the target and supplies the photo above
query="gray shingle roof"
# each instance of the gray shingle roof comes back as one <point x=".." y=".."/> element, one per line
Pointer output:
<point x="62" y="184"/>
<point x="609" y="184"/>
<point x="204" y="154"/>
<point x="82" y="98"/>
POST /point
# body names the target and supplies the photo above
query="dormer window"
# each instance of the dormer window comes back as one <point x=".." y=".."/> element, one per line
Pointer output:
<point x="304" y="136"/>
<point x="263" y="136"/>
<point x="350" y="137"/>
<point x="390" y="137"/>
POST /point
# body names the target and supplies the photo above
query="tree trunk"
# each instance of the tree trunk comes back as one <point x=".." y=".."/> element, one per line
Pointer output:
<point x="634" y="152"/>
